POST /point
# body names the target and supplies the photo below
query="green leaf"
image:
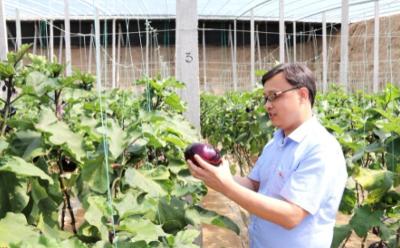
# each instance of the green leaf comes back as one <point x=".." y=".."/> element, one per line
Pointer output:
<point x="136" y="179"/>
<point x="6" y="70"/>
<point x="20" y="167"/>
<point x="348" y="202"/>
<point x="3" y="145"/>
<point x="13" y="193"/>
<point x="171" y="214"/>
<point x="51" y="230"/>
<point x="27" y="144"/>
<point x="117" y="138"/>
<point x="61" y="134"/>
<point x="127" y="204"/>
<point x="40" y="84"/>
<point x="158" y="173"/>
<point x="175" y="102"/>
<point x="38" y="192"/>
<point x="94" y="174"/>
<point x="15" y="57"/>
<point x="199" y="215"/>
<point x="14" y="228"/>
<point x="364" y="219"/>
<point x="377" y="182"/>
<point x="142" y="229"/>
<point x="340" y="233"/>
<point x="184" y="239"/>
<point x="98" y="214"/>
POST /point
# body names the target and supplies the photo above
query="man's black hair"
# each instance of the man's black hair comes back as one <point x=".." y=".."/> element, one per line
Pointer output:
<point x="297" y="75"/>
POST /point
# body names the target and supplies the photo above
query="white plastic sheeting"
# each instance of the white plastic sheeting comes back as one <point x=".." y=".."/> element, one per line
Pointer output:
<point x="295" y="10"/>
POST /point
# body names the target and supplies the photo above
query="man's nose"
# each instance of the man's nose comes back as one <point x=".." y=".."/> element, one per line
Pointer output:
<point x="267" y="105"/>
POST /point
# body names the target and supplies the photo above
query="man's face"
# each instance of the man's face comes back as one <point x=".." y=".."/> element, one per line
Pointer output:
<point x="282" y="103"/>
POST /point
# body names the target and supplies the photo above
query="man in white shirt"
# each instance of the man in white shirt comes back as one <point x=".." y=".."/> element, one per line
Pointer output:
<point x="295" y="188"/>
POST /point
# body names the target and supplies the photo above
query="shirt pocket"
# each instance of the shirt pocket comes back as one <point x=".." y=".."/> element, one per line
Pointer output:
<point x="279" y="180"/>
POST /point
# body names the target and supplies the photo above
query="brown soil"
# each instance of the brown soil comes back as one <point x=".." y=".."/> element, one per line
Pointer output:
<point x="216" y="237"/>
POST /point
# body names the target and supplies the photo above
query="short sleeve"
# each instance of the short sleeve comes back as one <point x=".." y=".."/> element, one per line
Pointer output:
<point x="308" y="185"/>
<point x="255" y="171"/>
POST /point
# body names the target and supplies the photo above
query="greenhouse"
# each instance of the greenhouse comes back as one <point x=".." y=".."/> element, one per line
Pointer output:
<point x="291" y="106"/>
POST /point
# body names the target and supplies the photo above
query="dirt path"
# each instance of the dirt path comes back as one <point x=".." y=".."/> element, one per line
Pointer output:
<point x="215" y="237"/>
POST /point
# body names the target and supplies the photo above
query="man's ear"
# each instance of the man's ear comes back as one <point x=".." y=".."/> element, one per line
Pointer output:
<point x="304" y="94"/>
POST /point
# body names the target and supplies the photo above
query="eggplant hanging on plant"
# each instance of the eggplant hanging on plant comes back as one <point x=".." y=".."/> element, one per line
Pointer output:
<point x="11" y="112"/>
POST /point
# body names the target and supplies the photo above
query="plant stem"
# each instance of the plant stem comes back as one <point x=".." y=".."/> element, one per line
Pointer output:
<point x="67" y="198"/>
<point x="363" y="241"/>
<point x="345" y="241"/>
<point x="7" y="105"/>
<point x="63" y="215"/>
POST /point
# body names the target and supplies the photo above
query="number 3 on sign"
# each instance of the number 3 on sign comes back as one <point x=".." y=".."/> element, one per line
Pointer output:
<point x="188" y="58"/>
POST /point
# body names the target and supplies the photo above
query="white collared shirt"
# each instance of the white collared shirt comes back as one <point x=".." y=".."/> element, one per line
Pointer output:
<point x="306" y="168"/>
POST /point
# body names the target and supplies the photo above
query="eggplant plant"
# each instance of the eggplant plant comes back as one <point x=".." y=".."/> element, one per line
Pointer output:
<point x="122" y="163"/>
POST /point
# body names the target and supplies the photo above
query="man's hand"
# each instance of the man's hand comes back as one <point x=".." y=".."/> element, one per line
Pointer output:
<point x="218" y="178"/>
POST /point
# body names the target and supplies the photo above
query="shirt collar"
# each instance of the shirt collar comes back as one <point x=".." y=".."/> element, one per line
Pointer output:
<point x="300" y="132"/>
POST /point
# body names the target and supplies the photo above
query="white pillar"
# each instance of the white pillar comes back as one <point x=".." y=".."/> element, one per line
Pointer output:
<point x="344" y="44"/>
<point x="376" y="49"/>
<point x="324" y="55"/>
<point x="252" y="52"/>
<point x="113" y="53"/>
<point x="51" y="41"/>
<point x="3" y="33"/>
<point x="119" y="52"/>
<point x="60" y="46"/>
<point x="235" y="74"/>
<point x="98" y="54"/>
<point x="204" y="58"/>
<point x="90" y="48"/>
<point x="281" y="32"/>
<point x="68" y="60"/>
<point x="35" y="37"/>
<point x="294" y="43"/>
<point x="187" y="57"/>
<point x="18" y="29"/>
<point x="105" y="57"/>
<point x="258" y="48"/>
<point x="147" y="48"/>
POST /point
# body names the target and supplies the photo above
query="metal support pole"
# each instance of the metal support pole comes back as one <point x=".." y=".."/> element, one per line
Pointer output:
<point x="234" y="65"/>
<point x="344" y="44"/>
<point x="3" y="33"/>
<point x="113" y="53"/>
<point x="51" y="55"/>
<point x="204" y="58"/>
<point x="147" y="48"/>
<point x="294" y="43"/>
<point x="376" y="49"/>
<point x="68" y="60"/>
<point x="324" y="55"/>
<point x="60" y="46"/>
<point x="18" y="29"/>
<point x="90" y="48"/>
<point x="119" y="52"/>
<point x="281" y="32"/>
<point x="258" y="48"/>
<point x="98" y="54"/>
<point x="252" y="52"/>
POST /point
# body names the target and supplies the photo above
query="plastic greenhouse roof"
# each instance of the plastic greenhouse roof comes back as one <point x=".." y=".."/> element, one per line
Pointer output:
<point x="295" y="10"/>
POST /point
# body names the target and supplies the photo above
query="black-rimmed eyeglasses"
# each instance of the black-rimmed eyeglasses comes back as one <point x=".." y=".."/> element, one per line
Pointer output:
<point x="274" y="95"/>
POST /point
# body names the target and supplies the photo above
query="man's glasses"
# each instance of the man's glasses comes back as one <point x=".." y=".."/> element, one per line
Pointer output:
<point x="274" y="95"/>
